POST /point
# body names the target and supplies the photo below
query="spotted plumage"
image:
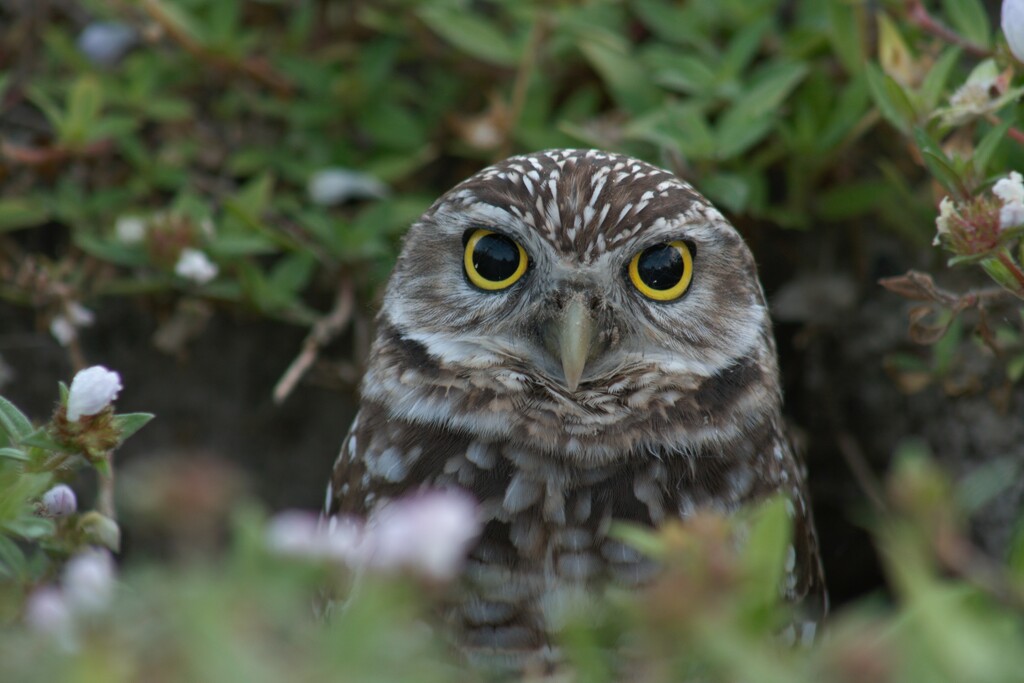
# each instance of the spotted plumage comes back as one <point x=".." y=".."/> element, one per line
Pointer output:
<point x="569" y="399"/>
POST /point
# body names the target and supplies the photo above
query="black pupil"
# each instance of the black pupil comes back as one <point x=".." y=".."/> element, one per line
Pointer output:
<point x="660" y="267"/>
<point x="495" y="257"/>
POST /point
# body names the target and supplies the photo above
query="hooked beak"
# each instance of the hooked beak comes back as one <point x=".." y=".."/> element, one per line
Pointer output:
<point x="574" y="335"/>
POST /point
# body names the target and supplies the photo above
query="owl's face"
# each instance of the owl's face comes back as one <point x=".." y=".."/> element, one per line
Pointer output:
<point x="574" y="292"/>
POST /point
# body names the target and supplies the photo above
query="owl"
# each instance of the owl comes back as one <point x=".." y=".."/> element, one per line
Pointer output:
<point x="576" y="338"/>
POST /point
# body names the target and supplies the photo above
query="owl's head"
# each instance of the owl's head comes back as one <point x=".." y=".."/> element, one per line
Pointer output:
<point x="578" y="297"/>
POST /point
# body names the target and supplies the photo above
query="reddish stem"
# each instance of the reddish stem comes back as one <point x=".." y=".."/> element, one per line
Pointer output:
<point x="1005" y="259"/>
<point x="918" y="15"/>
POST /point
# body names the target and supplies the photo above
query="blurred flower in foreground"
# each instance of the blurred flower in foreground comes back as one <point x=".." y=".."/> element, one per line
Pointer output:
<point x="92" y="390"/>
<point x="47" y="612"/>
<point x="59" y="501"/>
<point x="305" y="534"/>
<point x="330" y="186"/>
<point x="87" y="587"/>
<point x="88" y="580"/>
<point x="1013" y="27"/>
<point x="195" y="265"/>
<point x="427" y="533"/>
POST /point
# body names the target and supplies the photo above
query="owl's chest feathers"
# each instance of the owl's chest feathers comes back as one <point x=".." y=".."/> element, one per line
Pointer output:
<point x="597" y="424"/>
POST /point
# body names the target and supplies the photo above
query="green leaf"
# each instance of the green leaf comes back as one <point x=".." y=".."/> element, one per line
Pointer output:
<point x="940" y="166"/>
<point x="687" y="74"/>
<point x="30" y="527"/>
<point x="22" y="212"/>
<point x="679" y="127"/>
<point x="846" y="34"/>
<point x="890" y="98"/>
<point x="730" y="190"/>
<point x="41" y="438"/>
<point x="764" y="555"/>
<point x="769" y="88"/>
<point x="938" y="76"/>
<point x="14" y="422"/>
<point x="642" y="538"/>
<point x="988" y="146"/>
<point x="970" y="19"/>
<point x="129" y="423"/>
<point x="737" y="132"/>
<point x="626" y="78"/>
<point x="12" y="559"/>
<point x="743" y="48"/>
<point x="1015" y="368"/>
<point x="84" y="104"/>
<point x="14" y="454"/>
<point x="292" y="273"/>
<point x="471" y="34"/>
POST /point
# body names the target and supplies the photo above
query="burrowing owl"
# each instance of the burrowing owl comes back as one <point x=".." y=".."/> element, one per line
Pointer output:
<point x="575" y="337"/>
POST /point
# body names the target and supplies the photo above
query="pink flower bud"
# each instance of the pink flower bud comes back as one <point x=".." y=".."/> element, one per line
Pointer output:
<point x="59" y="501"/>
<point x="92" y="390"/>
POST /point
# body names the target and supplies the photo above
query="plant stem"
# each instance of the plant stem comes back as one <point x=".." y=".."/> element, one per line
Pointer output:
<point x="919" y="16"/>
<point x="1014" y="269"/>
<point x="105" y="497"/>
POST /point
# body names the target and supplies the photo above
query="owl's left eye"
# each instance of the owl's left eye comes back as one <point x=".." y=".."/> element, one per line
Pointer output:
<point x="493" y="261"/>
<point x="662" y="272"/>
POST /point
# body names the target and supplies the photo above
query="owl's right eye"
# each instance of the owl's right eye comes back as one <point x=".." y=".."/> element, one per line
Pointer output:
<point x="493" y="261"/>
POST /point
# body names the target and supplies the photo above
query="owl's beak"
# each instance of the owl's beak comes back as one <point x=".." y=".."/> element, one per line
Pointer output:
<point x="575" y="333"/>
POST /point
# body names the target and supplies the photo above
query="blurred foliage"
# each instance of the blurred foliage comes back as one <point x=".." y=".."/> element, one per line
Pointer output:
<point x="713" y="613"/>
<point x="213" y="128"/>
<point x="137" y="131"/>
<point x="219" y="116"/>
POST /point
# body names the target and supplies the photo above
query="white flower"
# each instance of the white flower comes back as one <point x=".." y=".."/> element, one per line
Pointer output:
<point x="59" y="501"/>
<point x="304" y="534"/>
<point x="64" y="326"/>
<point x="130" y="229"/>
<point x="1010" y="191"/>
<point x="429" y="533"/>
<point x="105" y="42"/>
<point x="88" y="580"/>
<point x="947" y="210"/>
<point x="92" y="390"/>
<point x="63" y="330"/>
<point x="1011" y="215"/>
<point x="47" y="612"/>
<point x="195" y="265"/>
<point x="331" y="186"/>
<point x="1013" y="26"/>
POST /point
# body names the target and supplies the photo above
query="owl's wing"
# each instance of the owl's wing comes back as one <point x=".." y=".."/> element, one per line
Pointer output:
<point x="805" y="578"/>
<point x="384" y="457"/>
<point x="349" y="483"/>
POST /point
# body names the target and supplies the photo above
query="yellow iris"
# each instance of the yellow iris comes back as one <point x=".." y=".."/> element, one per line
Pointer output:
<point x="493" y="261"/>
<point x="659" y="274"/>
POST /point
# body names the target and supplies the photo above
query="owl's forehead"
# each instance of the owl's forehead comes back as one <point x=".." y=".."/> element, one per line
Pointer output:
<point x="586" y="202"/>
